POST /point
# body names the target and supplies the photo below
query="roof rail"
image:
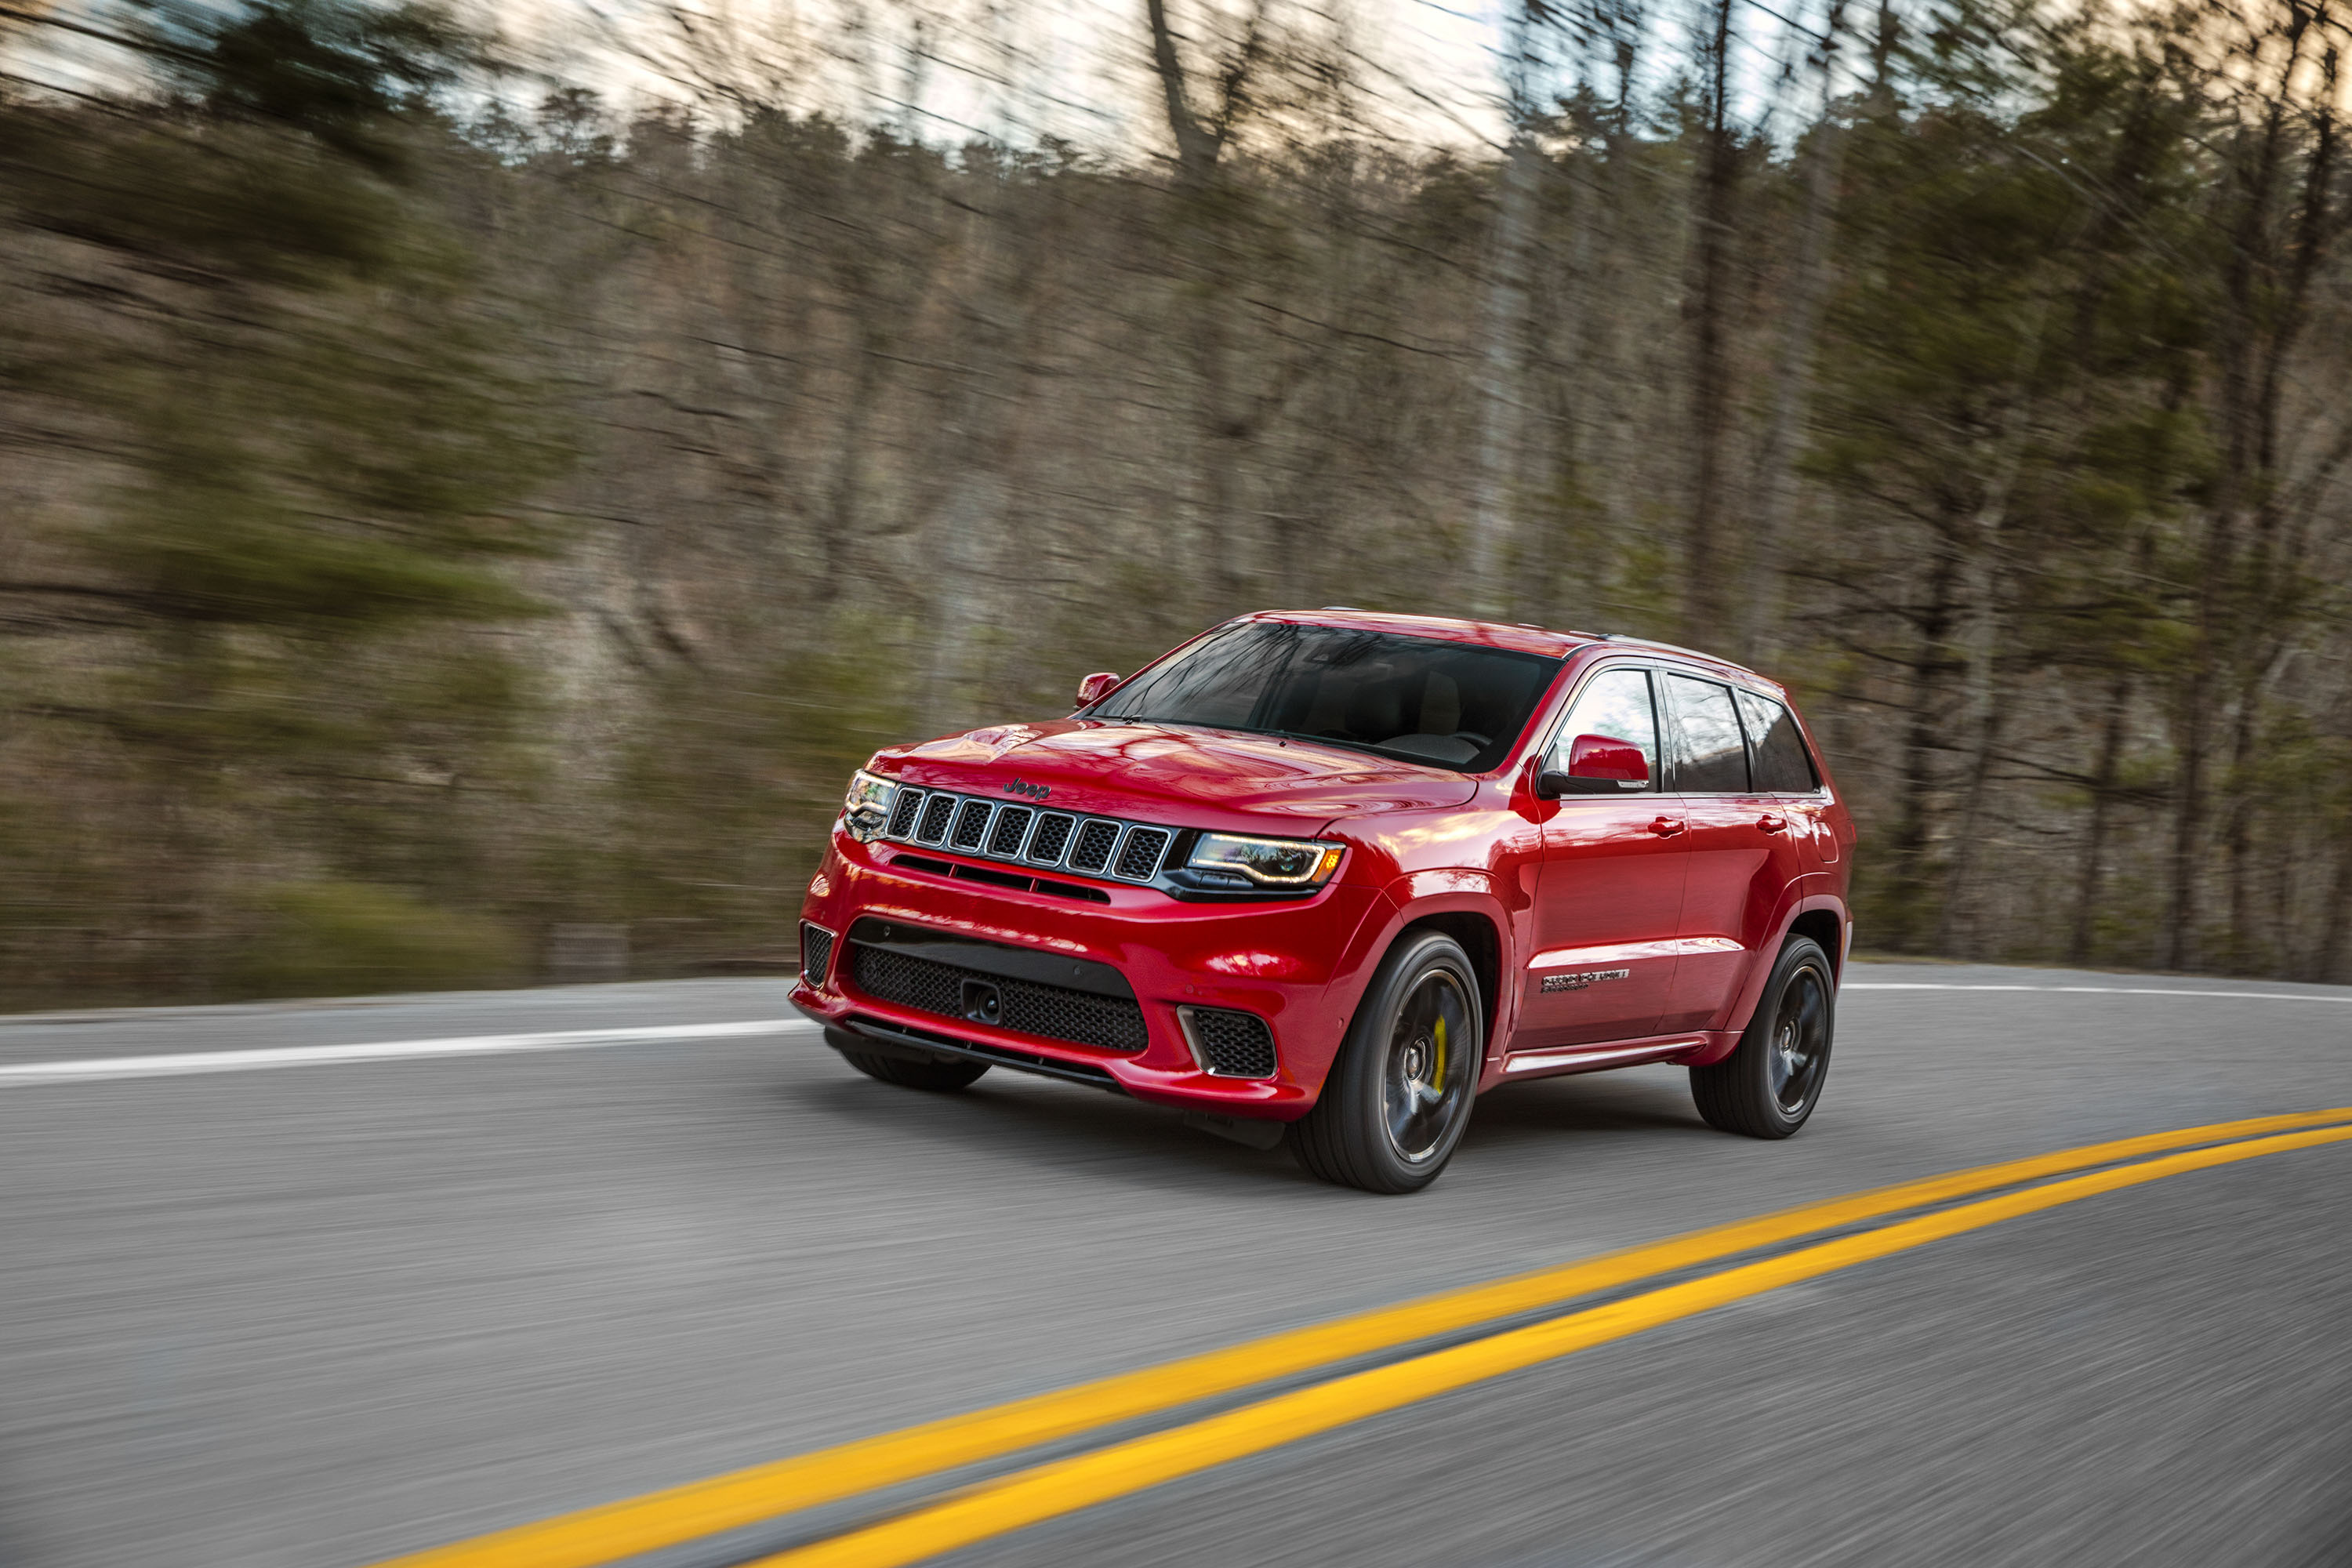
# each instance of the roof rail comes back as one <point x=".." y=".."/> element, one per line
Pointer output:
<point x="1670" y="648"/>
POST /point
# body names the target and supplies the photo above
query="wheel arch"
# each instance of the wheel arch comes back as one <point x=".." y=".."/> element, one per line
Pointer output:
<point x="1481" y="940"/>
<point x="1823" y="916"/>
<point x="1464" y="906"/>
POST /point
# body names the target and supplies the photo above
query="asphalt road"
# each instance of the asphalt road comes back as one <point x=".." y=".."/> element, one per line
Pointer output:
<point x="315" y="1316"/>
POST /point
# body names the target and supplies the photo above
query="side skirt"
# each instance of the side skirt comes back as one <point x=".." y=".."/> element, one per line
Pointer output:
<point x="1558" y="1060"/>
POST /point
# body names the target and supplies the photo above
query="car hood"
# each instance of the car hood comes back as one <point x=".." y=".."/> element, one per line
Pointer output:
<point x="1188" y="777"/>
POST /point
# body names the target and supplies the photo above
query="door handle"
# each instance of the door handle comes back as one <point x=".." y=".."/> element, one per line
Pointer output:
<point x="1666" y="827"/>
<point x="1772" y="823"/>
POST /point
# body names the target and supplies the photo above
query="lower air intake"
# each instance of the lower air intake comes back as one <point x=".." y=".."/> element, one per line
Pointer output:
<point x="1229" y="1044"/>
<point x="817" y="952"/>
<point x="1024" y="1006"/>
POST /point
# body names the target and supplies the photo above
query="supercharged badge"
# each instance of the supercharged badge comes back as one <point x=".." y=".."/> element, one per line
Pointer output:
<point x="1579" y="981"/>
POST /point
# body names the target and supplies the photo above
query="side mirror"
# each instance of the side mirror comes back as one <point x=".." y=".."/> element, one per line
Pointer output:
<point x="1597" y="765"/>
<point x="1097" y="685"/>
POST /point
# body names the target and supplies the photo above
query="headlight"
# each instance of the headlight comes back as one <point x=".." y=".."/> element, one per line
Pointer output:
<point x="1268" y="862"/>
<point x="867" y="809"/>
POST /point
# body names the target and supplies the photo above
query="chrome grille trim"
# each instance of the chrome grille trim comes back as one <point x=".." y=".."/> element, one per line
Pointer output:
<point x="1010" y="834"/>
<point x="1108" y="848"/>
<point x="1140" y="853"/>
<point x="1097" y="845"/>
<point x="906" y="810"/>
<point x="971" y="825"/>
<point x="1051" y="840"/>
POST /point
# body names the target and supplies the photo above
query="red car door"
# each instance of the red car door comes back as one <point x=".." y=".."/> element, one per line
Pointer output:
<point x="1743" y="853"/>
<point x="1610" y="890"/>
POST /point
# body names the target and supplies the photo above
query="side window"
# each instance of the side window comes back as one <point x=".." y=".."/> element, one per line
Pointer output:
<point x="1712" y="755"/>
<point x="1776" y="751"/>
<point x="1615" y="702"/>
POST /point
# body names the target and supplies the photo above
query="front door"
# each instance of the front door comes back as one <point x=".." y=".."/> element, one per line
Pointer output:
<point x="1610" y="890"/>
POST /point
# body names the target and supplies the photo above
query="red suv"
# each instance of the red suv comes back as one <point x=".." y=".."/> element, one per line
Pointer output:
<point x="1345" y="871"/>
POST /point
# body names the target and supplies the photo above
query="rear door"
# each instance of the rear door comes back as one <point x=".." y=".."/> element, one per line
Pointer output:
<point x="1609" y="894"/>
<point x="1783" y="776"/>
<point x="1743" y="854"/>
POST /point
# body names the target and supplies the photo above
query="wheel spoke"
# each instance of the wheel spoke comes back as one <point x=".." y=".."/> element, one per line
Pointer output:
<point x="1430" y="1066"/>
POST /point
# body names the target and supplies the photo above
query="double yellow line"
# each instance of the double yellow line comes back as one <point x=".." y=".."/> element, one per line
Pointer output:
<point x="602" y="1535"/>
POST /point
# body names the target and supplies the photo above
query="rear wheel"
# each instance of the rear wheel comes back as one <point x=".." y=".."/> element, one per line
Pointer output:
<point x="909" y="1071"/>
<point x="1398" y="1099"/>
<point x="1769" y="1085"/>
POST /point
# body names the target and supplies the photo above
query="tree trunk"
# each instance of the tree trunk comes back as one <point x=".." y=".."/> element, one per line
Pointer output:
<point x="1910" y="852"/>
<point x="2094" y="873"/>
<point x="1792" y="376"/>
<point x="1501" y="370"/>
<point x="1704" y="608"/>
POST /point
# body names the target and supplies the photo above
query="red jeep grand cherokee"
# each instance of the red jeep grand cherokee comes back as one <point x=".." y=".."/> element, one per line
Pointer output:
<point x="1345" y="871"/>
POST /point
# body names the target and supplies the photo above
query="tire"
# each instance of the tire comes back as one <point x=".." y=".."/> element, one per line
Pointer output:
<point x="936" y="1073"/>
<point x="1769" y="1085"/>
<point x="1396" y="1101"/>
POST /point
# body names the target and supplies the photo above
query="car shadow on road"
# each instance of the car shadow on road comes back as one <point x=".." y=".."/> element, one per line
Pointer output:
<point x="1583" y="1104"/>
<point x="1062" y="1126"/>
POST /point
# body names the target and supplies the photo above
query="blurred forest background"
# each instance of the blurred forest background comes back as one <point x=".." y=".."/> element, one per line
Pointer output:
<point x="459" y="524"/>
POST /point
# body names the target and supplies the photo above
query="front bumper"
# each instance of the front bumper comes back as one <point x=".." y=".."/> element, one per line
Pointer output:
<point x="1300" y="965"/>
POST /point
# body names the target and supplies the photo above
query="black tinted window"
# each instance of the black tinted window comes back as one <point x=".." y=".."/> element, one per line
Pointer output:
<point x="1451" y="703"/>
<point x="1713" y="756"/>
<point x="1615" y="703"/>
<point x="1776" y="751"/>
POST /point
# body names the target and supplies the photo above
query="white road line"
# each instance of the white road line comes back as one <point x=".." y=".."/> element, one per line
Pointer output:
<point x="2095" y="990"/>
<point x="29" y="1073"/>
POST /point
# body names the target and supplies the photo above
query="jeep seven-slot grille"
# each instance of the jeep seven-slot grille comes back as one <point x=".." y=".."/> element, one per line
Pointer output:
<point x="1139" y="857"/>
<point x="1053" y="837"/>
<point x="1092" y="852"/>
<point x="1001" y="830"/>
<point x="817" y="952"/>
<point x="1229" y="1044"/>
<point x="1024" y="1006"/>
<point x="904" y="811"/>
<point x="1011" y="827"/>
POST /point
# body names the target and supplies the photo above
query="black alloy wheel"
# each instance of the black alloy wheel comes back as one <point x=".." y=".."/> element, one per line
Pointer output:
<point x="1771" y="1081"/>
<point x="1396" y="1102"/>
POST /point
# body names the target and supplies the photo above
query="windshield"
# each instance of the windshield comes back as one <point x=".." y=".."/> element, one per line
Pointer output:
<point x="1454" y="704"/>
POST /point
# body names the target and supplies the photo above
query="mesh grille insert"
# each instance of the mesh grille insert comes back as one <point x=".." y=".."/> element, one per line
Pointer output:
<point x="1012" y="822"/>
<point x="1053" y="837"/>
<point x="936" y="812"/>
<point x="1028" y="1007"/>
<point x="1140" y="856"/>
<point x="1092" y="852"/>
<point x="1231" y="1044"/>
<point x="817" y="950"/>
<point x="904" y="811"/>
<point x="971" y="825"/>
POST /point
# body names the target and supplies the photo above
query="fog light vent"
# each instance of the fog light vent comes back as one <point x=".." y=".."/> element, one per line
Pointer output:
<point x="1229" y="1044"/>
<point x="817" y="952"/>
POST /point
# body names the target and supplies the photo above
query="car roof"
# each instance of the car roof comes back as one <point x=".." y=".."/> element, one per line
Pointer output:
<point x="1441" y="628"/>
<point x="1517" y="636"/>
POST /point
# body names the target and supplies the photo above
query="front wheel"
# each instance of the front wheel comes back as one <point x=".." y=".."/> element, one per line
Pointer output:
<point x="1771" y="1083"/>
<point x="1397" y="1100"/>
